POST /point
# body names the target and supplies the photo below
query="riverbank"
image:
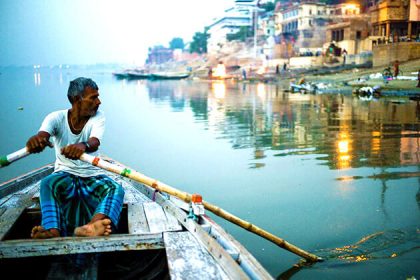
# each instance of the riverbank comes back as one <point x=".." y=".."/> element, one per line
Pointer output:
<point x="346" y="79"/>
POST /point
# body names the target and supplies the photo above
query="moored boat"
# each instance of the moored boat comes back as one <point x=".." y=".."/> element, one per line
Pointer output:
<point x="121" y="75"/>
<point x="138" y="74"/>
<point x="169" y="75"/>
<point x="159" y="237"/>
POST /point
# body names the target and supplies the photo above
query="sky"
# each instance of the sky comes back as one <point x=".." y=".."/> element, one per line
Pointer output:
<point x="53" y="32"/>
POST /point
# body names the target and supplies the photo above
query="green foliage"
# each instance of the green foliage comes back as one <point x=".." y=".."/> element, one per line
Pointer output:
<point x="268" y="7"/>
<point x="243" y="33"/>
<point x="199" y="42"/>
<point x="176" y="43"/>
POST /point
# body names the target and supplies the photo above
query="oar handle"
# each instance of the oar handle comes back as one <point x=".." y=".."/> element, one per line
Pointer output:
<point x="159" y="186"/>
<point x="8" y="159"/>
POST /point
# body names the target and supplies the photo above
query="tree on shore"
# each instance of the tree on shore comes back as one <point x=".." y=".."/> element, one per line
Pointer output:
<point x="199" y="42"/>
<point x="243" y="33"/>
<point x="176" y="43"/>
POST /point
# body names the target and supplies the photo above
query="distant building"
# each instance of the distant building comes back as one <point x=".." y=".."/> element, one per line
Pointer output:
<point x="396" y="19"/>
<point x="395" y="31"/>
<point x="303" y="25"/>
<point x="241" y="15"/>
<point x="159" y="54"/>
<point x="349" y="29"/>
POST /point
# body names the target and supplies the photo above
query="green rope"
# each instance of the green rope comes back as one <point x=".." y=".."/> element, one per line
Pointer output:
<point x="125" y="172"/>
<point x="4" y="161"/>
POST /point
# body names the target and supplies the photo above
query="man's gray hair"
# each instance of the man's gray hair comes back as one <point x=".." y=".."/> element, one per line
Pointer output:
<point x="77" y="87"/>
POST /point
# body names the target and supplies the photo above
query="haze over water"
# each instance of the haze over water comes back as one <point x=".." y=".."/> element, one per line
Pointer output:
<point x="332" y="174"/>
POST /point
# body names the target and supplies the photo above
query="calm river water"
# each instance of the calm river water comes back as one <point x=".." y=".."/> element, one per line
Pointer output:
<point x="332" y="174"/>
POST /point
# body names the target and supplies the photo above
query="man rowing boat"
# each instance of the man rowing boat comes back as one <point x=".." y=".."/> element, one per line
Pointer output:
<point x="77" y="197"/>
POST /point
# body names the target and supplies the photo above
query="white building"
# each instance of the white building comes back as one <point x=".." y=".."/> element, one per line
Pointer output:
<point x="304" y="24"/>
<point x="242" y="14"/>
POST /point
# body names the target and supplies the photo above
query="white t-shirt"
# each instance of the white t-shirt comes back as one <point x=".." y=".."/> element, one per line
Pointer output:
<point x="57" y="125"/>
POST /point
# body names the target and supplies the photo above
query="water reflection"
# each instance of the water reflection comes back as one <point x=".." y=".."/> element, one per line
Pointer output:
<point x="37" y="78"/>
<point x="343" y="132"/>
<point x="218" y="89"/>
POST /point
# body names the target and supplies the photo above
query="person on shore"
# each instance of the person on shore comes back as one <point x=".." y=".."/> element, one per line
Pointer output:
<point x="301" y="80"/>
<point x="396" y="68"/>
<point x="344" y="54"/>
<point x="284" y="66"/>
<point x="243" y="73"/>
<point x="418" y="78"/>
<point x="277" y="69"/>
<point x="77" y="198"/>
<point x="210" y="73"/>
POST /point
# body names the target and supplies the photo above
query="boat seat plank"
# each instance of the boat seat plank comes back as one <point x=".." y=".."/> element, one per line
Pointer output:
<point x="187" y="259"/>
<point x="156" y="218"/>
<point x="137" y="222"/>
<point x="20" y="248"/>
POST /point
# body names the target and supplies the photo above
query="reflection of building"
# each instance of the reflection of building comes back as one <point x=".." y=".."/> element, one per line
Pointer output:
<point x="410" y="149"/>
<point x="340" y="131"/>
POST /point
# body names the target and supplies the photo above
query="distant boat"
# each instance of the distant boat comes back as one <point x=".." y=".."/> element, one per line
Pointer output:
<point x="169" y="75"/>
<point x="138" y="74"/>
<point x="121" y="75"/>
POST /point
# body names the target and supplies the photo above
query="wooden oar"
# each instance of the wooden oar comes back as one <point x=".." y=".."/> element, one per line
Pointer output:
<point x="6" y="160"/>
<point x="159" y="186"/>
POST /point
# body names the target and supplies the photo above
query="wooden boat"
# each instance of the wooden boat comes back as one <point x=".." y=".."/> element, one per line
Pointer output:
<point x="169" y="75"/>
<point x="138" y="74"/>
<point x="158" y="238"/>
<point x="303" y="88"/>
<point x="121" y="75"/>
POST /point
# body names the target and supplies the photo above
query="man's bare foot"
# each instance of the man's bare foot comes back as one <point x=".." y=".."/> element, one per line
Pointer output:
<point x="38" y="232"/>
<point x="97" y="228"/>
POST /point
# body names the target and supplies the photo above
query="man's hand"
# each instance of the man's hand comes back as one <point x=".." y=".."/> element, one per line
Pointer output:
<point x="73" y="151"/>
<point x="38" y="142"/>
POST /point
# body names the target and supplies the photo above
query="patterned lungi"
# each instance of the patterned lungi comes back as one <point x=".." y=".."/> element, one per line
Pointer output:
<point x="69" y="201"/>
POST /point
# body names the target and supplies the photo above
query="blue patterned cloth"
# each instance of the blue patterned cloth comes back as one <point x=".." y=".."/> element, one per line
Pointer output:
<point x="69" y="201"/>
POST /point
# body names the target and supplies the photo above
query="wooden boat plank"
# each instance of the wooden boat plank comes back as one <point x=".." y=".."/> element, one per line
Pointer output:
<point x="10" y="201"/>
<point x="187" y="259"/>
<point x="156" y="218"/>
<point x="15" y="206"/>
<point x="212" y="246"/>
<point x="245" y="259"/>
<point x="131" y="194"/>
<point x="137" y="222"/>
<point x="252" y="267"/>
<point x="172" y="222"/>
<point x="74" y="245"/>
<point x="23" y="181"/>
<point x="32" y="188"/>
<point x="8" y="218"/>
